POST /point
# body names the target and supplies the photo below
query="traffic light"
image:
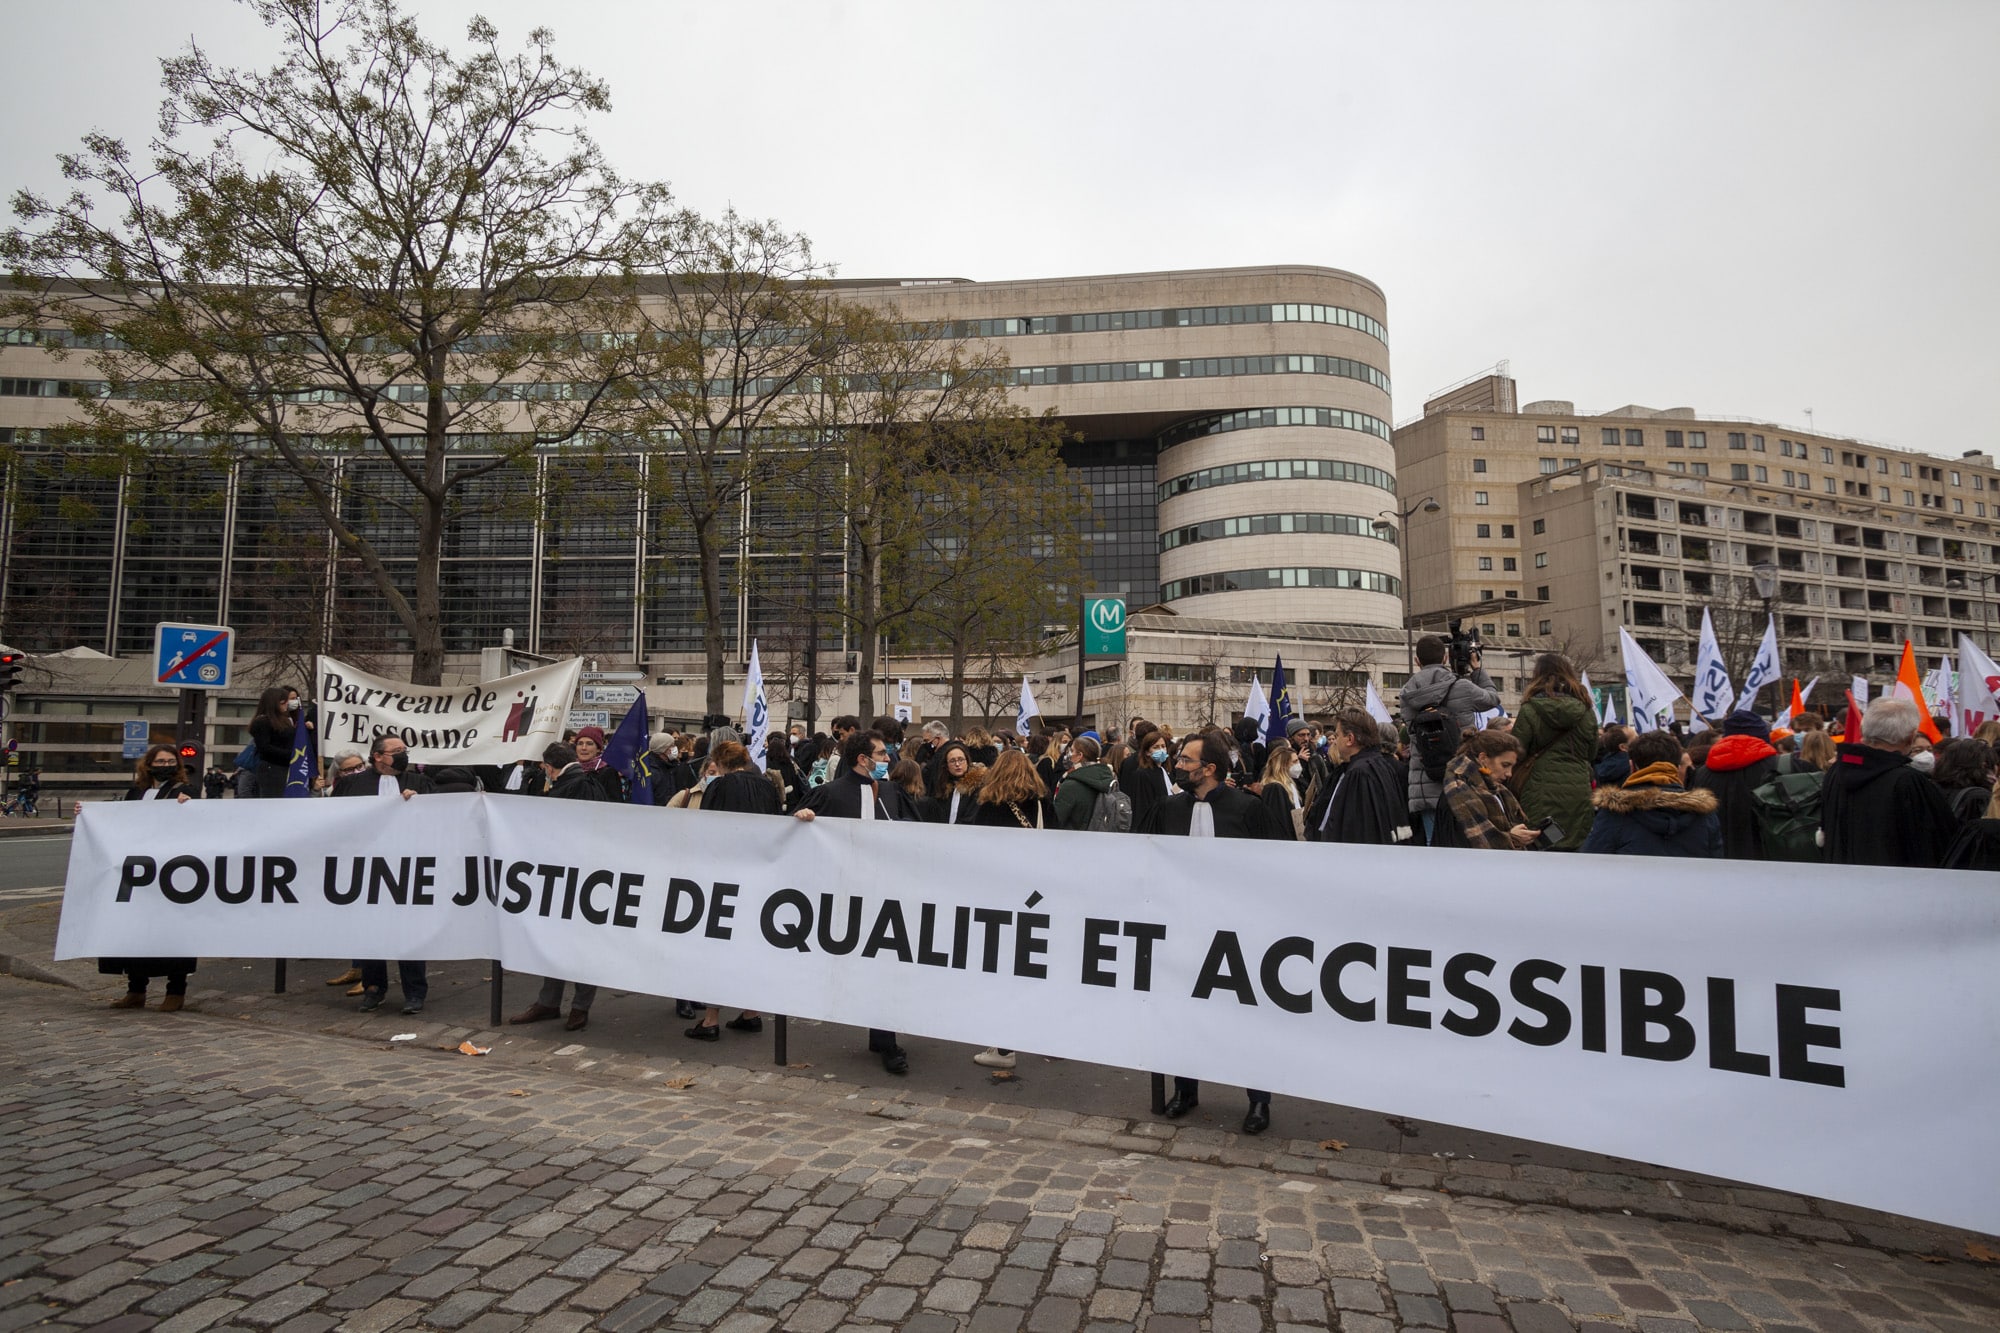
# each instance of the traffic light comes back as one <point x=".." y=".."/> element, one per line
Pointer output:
<point x="191" y="756"/>
<point x="10" y="670"/>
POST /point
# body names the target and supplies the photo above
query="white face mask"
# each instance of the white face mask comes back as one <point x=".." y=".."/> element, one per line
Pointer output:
<point x="1298" y="771"/>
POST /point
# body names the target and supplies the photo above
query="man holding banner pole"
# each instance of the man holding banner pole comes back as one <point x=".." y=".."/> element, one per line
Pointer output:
<point x="568" y="781"/>
<point x="388" y="775"/>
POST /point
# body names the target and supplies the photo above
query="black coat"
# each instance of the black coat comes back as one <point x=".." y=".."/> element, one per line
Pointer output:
<point x="841" y="799"/>
<point x="170" y="792"/>
<point x="1977" y="847"/>
<point x="937" y="809"/>
<point x="1735" y="767"/>
<point x="1006" y="814"/>
<point x="1237" y="814"/>
<point x="746" y="791"/>
<point x="573" y="784"/>
<point x="366" y="783"/>
<point x="1878" y="811"/>
<point x="1369" y="803"/>
<point x="152" y="967"/>
<point x="1146" y="784"/>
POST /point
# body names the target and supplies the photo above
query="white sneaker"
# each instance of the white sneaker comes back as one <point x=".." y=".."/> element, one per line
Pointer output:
<point x="994" y="1058"/>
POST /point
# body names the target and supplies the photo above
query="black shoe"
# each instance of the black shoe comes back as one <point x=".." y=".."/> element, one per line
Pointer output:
<point x="704" y="1032"/>
<point x="1258" y="1118"/>
<point x="1181" y="1104"/>
<point x="745" y="1023"/>
<point x="371" y="1001"/>
<point x="896" y="1060"/>
<point x="686" y="1009"/>
<point x="413" y="1006"/>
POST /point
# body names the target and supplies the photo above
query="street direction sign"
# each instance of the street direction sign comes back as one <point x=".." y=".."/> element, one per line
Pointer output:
<point x="579" y="718"/>
<point x="606" y="677"/>
<point x="1104" y="627"/>
<point x="607" y="696"/>
<point x="138" y="732"/>
<point x="192" y="657"/>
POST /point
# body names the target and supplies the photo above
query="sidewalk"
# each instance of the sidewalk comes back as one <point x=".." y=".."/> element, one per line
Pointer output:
<point x="193" y="1170"/>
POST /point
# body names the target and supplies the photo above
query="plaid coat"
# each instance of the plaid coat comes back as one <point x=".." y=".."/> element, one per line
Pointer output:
<point x="1484" y="811"/>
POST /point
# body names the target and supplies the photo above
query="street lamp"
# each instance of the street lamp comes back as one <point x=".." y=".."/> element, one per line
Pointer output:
<point x="1395" y="521"/>
<point x="1964" y="583"/>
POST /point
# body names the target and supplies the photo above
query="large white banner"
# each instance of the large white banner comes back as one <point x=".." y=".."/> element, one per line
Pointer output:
<point x="1830" y="1033"/>
<point x="491" y="722"/>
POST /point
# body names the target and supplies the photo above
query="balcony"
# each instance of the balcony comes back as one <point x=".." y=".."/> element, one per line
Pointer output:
<point x="1647" y="579"/>
<point x="1641" y="506"/>
<point x="1694" y="516"/>
<point x="1847" y="566"/>
<point x="1874" y="539"/>
<point x="1649" y="615"/>
<point x="1875" y="569"/>
<point x="1695" y="548"/>
<point x="1643" y="543"/>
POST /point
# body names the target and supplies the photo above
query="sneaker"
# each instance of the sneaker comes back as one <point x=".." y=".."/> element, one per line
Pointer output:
<point x="994" y="1058"/>
<point x="371" y="1001"/>
<point x="413" y="1006"/>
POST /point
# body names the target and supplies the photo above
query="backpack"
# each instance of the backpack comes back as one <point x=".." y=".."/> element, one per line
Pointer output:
<point x="1111" y="812"/>
<point x="1433" y="736"/>
<point x="1787" y="812"/>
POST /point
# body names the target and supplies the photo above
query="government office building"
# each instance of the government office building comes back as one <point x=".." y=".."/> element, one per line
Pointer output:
<point x="1233" y="430"/>
<point x="1555" y="528"/>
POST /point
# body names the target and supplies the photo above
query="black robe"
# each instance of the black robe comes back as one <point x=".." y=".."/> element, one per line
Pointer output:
<point x="367" y="783"/>
<point x="841" y="799"/>
<point x="1878" y="811"/>
<point x="746" y="792"/>
<point x="152" y="967"/>
<point x="1237" y="814"/>
<point x="1368" y="802"/>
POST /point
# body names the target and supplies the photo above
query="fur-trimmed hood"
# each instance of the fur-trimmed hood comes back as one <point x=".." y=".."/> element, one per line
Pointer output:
<point x="1632" y="800"/>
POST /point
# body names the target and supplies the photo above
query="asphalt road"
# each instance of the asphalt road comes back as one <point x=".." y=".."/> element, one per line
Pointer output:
<point x="29" y="864"/>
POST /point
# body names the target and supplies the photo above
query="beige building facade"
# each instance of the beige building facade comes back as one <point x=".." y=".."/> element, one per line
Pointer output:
<point x="1556" y="528"/>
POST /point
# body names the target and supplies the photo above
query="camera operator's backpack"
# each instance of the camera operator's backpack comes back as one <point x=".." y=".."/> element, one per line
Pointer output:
<point x="1433" y="736"/>
<point x="1111" y="812"/>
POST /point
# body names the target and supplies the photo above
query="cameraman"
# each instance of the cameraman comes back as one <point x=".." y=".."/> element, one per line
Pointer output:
<point x="1458" y="696"/>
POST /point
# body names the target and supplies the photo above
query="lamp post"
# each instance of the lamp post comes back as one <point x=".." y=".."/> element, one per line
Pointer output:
<point x="1397" y="521"/>
<point x="1764" y="574"/>
<point x="1965" y="583"/>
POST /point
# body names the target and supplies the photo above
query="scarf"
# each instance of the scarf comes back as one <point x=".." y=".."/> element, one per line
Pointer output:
<point x="1662" y="774"/>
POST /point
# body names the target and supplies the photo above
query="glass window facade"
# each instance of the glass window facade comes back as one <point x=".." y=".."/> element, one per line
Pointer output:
<point x="1239" y="580"/>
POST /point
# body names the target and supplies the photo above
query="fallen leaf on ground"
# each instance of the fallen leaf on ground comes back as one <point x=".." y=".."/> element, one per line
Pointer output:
<point x="1002" y="1075"/>
<point x="1985" y="1254"/>
<point x="1333" y="1145"/>
<point x="518" y="1092"/>
<point x="800" y="1065"/>
<point x="678" y="1082"/>
<point x="467" y="1048"/>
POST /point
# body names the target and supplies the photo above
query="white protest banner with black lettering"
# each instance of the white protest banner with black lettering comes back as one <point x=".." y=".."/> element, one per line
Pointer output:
<point x="490" y="722"/>
<point x="1828" y="1032"/>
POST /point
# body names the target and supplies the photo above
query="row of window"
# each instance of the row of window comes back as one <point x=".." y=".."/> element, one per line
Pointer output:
<point x="1244" y="580"/>
<point x="1258" y="417"/>
<point x="1258" y="525"/>
<point x="1198" y="368"/>
<point x="1277" y="469"/>
<point x="1186" y="317"/>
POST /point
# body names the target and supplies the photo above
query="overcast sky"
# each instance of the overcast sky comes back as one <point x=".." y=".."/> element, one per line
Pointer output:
<point x="1753" y="209"/>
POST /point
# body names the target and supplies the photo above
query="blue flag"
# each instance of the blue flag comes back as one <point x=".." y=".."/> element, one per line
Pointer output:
<point x="1281" y="705"/>
<point x="304" y="767"/>
<point x="625" y="752"/>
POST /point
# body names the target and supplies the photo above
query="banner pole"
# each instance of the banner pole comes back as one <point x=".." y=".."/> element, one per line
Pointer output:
<point x="780" y="1045"/>
<point x="493" y="992"/>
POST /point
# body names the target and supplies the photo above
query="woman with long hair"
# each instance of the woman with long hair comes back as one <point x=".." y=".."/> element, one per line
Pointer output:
<point x="954" y="786"/>
<point x="272" y="728"/>
<point x="980" y="747"/>
<point x="1479" y="808"/>
<point x="784" y="769"/>
<point x="1817" y="750"/>
<point x="1147" y="777"/>
<point x="1280" y="788"/>
<point x="1963" y="770"/>
<point x="158" y="777"/>
<point x="1014" y="795"/>
<point x="1557" y="729"/>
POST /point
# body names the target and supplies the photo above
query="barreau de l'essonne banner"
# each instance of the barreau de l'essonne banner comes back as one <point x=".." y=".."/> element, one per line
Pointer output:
<point x="1829" y="1031"/>
<point x="484" y="722"/>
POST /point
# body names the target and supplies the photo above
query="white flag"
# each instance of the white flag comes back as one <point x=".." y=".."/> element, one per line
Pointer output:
<point x="1713" y="694"/>
<point x="1651" y="692"/>
<point x="1805" y="695"/>
<point x="1941" y="694"/>
<point x="1978" y="686"/>
<point x="1377" y="709"/>
<point x="1480" y="721"/>
<point x="1859" y="685"/>
<point x="1610" y="713"/>
<point x="1765" y="669"/>
<point x="1257" y="707"/>
<point x="1028" y="709"/>
<point x="756" y="712"/>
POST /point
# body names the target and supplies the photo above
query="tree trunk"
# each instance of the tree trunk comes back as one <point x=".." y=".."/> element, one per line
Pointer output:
<point x="868" y="615"/>
<point x="427" y="631"/>
<point x="958" y="659"/>
<point x="711" y="609"/>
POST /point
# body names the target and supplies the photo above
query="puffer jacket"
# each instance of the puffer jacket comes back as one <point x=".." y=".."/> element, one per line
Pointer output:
<point x="1736" y="767"/>
<point x="1461" y="697"/>
<point x="1655" y="821"/>
<point x="1560" y="733"/>
<point x="1076" y="795"/>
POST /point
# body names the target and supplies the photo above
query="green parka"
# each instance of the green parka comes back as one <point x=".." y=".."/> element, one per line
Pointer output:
<point x="1559" y="733"/>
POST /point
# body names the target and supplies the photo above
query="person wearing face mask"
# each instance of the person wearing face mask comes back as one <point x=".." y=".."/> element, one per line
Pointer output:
<point x="863" y="791"/>
<point x="1206" y="807"/>
<point x="1279" y="790"/>
<point x="159" y="777"/>
<point x="1147" y="777"/>
<point x="271" y="730"/>
<point x="387" y="774"/>
<point x="1077" y="794"/>
<point x="567" y="781"/>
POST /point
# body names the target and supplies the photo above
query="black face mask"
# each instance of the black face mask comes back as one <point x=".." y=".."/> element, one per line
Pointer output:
<point x="163" y="771"/>
<point x="399" y="760"/>
<point x="1185" y="780"/>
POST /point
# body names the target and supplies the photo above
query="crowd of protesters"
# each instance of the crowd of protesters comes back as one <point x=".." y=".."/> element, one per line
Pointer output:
<point x="1457" y="773"/>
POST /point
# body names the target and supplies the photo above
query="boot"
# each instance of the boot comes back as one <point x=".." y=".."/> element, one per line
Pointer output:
<point x="131" y="999"/>
<point x="171" y="1004"/>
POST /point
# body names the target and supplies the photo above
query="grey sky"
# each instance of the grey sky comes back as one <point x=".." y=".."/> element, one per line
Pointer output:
<point x="1751" y="209"/>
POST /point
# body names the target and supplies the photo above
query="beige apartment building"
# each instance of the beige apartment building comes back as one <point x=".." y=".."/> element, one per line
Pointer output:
<point x="1555" y="528"/>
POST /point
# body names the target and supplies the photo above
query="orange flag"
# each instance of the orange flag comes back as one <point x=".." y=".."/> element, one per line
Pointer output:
<point x="1908" y="679"/>
<point x="1798" y="700"/>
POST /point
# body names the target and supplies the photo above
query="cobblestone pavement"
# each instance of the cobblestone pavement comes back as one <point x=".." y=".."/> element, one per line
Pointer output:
<point x="188" y="1171"/>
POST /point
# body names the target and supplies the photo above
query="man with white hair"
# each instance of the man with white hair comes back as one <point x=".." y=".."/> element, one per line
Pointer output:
<point x="1877" y="809"/>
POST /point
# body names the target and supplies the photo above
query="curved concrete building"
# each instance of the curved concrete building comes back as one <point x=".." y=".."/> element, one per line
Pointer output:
<point x="1235" y="424"/>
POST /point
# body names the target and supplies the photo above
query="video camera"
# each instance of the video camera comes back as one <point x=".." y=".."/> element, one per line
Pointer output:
<point x="1462" y="649"/>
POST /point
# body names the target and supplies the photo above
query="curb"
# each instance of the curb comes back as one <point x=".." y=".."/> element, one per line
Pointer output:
<point x="28" y="969"/>
<point x="26" y="828"/>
